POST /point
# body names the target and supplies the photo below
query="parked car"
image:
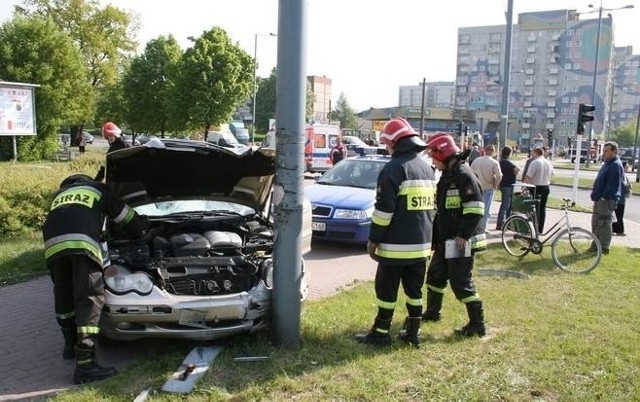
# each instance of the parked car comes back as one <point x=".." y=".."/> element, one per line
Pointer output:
<point x="224" y="139"/>
<point x="355" y="146"/>
<point x="205" y="268"/>
<point x="342" y="199"/>
<point x="127" y="139"/>
<point x="88" y="138"/>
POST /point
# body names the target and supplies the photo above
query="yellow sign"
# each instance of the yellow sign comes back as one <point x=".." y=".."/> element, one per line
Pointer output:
<point x="378" y="125"/>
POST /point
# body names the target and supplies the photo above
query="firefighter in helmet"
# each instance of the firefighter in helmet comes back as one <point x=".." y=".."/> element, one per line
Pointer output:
<point x="75" y="257"/>
<point x="460" y="207"/>
<point x="400" y="235"/>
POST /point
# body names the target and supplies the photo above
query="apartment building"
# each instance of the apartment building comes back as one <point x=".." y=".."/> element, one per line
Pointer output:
<point x="438" y="94"/>
<point x="321" y="88"/>
<point x="552" y="70"/>
<point x="624" y="95"/>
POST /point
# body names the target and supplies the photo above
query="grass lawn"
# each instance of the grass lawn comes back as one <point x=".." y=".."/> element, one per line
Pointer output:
<point x="552" y="337"/>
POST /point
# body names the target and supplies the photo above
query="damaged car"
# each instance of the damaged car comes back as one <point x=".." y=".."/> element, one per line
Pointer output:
<point x="205" y="268"/>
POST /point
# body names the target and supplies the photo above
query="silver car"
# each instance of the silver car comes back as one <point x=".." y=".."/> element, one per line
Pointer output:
<point x="205" y="270"/>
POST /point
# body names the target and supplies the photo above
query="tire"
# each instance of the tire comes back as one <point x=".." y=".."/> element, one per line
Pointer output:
<point x="517" y="225"/>
<point x="576" y="250"/>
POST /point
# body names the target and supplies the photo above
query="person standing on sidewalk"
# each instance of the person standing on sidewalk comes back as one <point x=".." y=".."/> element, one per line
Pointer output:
<point x="75" y="257"/>
<point x="459" y="209"/>
<point x="400" y="234"/>
<point x="539" y="173"/>
<point x="606" y="192"/>
<point x="509" y="174"/>
<point x="618" y="225"/>
<point x="488" y="171"/>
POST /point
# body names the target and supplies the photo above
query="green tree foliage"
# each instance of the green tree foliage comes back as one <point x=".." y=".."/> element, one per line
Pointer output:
<point x="35" y="50"/>
<point x="216" y="75"/>
<point x="625" y="135"/>
<point x="105" y="37"/>
<point x="149" y="87"/>
<point x="344" y="113"/>
<point x="266" y="102"/>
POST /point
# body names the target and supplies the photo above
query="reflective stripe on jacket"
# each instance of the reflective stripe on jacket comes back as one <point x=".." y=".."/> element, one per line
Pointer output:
<point x="401" y="223"/>
<point x="460" y="206"/>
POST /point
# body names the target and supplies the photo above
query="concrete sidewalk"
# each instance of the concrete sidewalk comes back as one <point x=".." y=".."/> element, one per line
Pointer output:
<point x="31" y="366"/>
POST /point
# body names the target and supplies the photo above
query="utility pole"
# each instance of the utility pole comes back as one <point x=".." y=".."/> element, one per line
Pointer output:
<point x="424" y="83"/>
<point x="506" y="77"/>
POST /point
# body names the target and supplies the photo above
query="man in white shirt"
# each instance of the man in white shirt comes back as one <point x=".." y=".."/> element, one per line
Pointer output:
<point x="487" y="169"/>
<point x="539" y="174"/>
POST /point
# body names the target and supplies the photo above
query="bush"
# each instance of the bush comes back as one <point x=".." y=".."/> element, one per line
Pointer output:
<point x="26" y="190"/>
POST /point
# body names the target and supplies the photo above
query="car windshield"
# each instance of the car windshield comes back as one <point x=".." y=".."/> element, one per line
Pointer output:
<point x="353" y="173"/>
<point x="205" y="207"/>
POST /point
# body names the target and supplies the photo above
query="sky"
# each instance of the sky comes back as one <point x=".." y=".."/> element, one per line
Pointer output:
<point x="368" y="48"/>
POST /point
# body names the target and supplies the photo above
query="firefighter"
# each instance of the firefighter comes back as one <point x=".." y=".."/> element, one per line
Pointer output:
<point x="113" y="134"/>
<point x="400" y="234"/>
<point x="75" y="257"/>
<point x="460" y="208"/>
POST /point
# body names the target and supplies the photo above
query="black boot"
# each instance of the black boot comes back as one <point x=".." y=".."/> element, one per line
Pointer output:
<point x="475" y="327"/>
<point x="434" y="305"/>
<point x="409" y="331"/>
<point x="70" y="339"/>
<point x="87" y="368"/>
<point x="378" y="334"/>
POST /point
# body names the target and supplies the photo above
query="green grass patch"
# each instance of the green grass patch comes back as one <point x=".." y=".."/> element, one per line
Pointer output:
<point x="554" y="336"/>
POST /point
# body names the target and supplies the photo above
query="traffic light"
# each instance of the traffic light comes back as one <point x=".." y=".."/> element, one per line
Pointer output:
<point x="550" y="136"/>
<point x="584" y="115"/>
<point x="459" y="128"/>
<point x="466" y="130"/>
<point x="568" y="142"/>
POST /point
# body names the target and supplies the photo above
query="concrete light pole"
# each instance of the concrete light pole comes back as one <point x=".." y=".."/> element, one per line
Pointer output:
<point x="600" y="9"/>
<point x="255" y="82"/>
<point x="504" y="110"/>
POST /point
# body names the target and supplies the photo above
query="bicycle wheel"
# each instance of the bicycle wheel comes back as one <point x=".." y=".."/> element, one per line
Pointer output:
<point x="516" y="234"/>
<point x="576" y="250"/>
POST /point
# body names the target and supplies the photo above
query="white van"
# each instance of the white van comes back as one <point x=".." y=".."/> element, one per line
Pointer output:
<point x="319" y="139"/>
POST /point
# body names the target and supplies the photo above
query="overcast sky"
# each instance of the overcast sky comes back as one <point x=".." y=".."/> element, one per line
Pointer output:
<point x="367" y="47"/>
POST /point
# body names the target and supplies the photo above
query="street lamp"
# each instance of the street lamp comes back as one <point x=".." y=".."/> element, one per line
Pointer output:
<point x="600" y="9"/>
<point x="255" y="82"/>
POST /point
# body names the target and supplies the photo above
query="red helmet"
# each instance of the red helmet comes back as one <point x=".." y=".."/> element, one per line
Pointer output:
<point x="110" y="129"/>
<point x="398" y="128"/>
<point x="442" y="147"/>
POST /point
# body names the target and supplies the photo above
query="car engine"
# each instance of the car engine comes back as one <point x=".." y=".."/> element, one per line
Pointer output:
<point x="184" y="258"/>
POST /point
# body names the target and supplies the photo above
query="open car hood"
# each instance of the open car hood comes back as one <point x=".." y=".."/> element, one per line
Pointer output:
<point x="165" y="169"/>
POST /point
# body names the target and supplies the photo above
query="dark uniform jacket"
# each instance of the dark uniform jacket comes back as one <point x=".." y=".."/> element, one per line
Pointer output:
<point x="77" y="217"/>
<point x="117" y="144"/>
<point x="460" y="207"/>
<point x="401" y="224"/>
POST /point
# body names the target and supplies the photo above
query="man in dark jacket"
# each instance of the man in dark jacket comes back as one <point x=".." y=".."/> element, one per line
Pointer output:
<point x="400" y="236"/>
<point x="75" y="256"/>
<point x="607" y="190"/>
<point x="456" y="234"/>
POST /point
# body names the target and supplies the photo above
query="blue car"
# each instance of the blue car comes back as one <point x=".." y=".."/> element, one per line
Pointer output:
<point x="342" y="199"/>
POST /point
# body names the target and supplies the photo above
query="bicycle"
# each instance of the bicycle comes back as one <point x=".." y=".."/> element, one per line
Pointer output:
<point x="573" y="249"/>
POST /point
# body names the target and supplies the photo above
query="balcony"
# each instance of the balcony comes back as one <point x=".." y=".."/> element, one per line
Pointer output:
<point x="552" y="93"/>
<point x="526" y="125"/>
<point x="551" y="104"/>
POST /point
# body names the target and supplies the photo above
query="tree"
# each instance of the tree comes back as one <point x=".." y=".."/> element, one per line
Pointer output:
<point x="105" y="38"/>
<point x="34" y="50"/>
<point x="149" y="87"/>
<point x="344" y="113"/>
<point x="266" y="102"/>
<point x="624" y="135"/>
<point x="215" y="77"/>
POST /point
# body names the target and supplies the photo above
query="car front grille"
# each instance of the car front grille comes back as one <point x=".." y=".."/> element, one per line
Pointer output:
<point x="321" y="210"/>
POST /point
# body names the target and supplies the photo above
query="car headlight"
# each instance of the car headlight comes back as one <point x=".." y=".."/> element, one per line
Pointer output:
<point x="120" y="281"/>
<point x="352" y="213"/>
<point x="267" y="273"/>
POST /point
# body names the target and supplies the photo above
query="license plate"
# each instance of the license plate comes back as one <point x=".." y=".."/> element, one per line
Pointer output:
<point x="318" y="226"/>
<point x="193" y="318"/>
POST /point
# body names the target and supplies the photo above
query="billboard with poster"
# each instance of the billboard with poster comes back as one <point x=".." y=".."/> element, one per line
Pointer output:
<point x="17" y="109"/>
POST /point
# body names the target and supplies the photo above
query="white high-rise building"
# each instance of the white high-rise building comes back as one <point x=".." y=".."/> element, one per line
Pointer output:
<point x="437" y="94"/>
<point x="552" y="69"/>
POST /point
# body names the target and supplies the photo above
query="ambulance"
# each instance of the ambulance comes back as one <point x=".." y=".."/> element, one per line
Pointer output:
<point x="319" y="139"/>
